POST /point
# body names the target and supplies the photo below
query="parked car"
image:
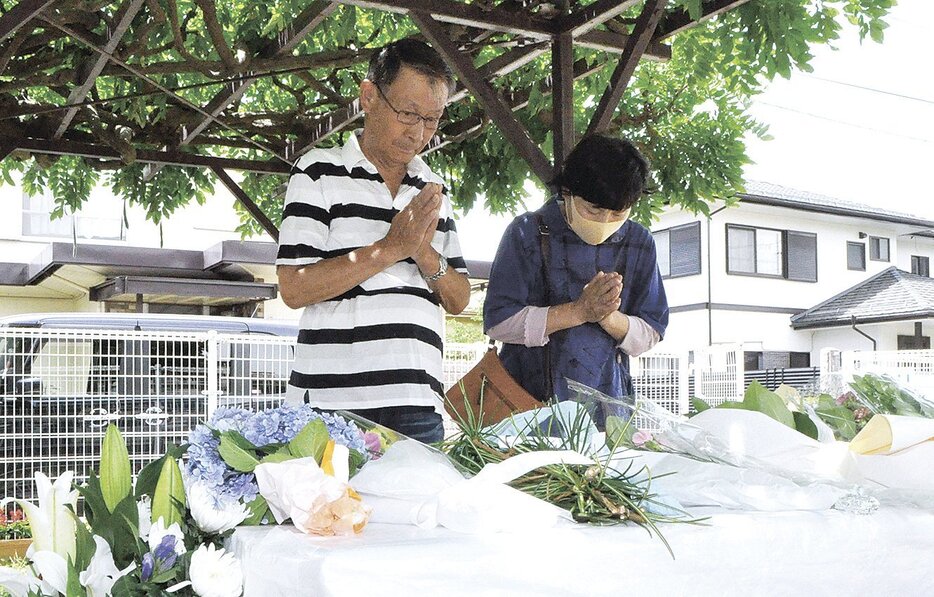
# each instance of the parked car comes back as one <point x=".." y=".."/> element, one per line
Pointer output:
<point x="66" y="376"/>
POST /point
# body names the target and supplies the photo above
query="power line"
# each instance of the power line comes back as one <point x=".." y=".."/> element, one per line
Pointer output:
<point x="874" y="90"/>
<point x="844" y="122"/>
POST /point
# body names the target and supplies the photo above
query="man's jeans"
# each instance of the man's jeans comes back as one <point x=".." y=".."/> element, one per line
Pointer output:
<point x="417" y="422"/>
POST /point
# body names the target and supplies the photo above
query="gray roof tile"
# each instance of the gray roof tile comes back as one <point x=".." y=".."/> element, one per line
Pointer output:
<point x="890" y="295"/>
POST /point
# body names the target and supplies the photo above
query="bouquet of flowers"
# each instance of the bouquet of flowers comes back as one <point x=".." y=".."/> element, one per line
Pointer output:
<point x="164" y="534"/>
<point x="869" y="395"/>
<point x="610" y="490"/>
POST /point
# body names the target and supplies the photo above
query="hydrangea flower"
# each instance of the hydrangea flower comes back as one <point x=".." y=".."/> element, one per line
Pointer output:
<point x="274" y="426"/>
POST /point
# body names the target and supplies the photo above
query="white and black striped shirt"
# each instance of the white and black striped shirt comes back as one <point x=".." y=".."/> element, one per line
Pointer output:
<point x="380" y="343"/>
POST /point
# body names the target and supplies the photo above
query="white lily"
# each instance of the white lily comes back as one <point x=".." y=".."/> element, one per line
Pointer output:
<point x="52" y="523"/>
<point x="102" y="572"/>
<point x="52" y="568"/>
<point x="211" y="517"/>
<point x="158" y="531"/>
<point x="215" y="573"/>
<point x="144" y="509"/>
<point x="18" y="582"/>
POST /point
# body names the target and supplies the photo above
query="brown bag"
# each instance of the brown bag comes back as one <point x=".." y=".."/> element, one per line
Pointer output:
<point x="488" y="392"/>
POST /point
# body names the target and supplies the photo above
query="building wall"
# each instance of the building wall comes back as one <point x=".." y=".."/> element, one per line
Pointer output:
<point x="194" y="227"/>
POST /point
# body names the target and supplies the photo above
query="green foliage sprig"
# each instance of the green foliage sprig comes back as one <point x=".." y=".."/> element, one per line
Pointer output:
<point x="599" y="494"/>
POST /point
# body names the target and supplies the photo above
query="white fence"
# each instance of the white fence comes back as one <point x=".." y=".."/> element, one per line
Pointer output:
<point x="718" y="374"/>
<point x="663" y="379"/>
<point x="61" y="388"/>
<point x="915" y="368"/>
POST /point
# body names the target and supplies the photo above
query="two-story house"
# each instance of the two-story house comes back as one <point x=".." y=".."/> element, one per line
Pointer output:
<point x="786" y="273"/>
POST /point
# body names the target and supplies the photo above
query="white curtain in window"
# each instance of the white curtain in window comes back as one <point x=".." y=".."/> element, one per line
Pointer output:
<point x="742" y="250"/>
<point x="769" y="252"/>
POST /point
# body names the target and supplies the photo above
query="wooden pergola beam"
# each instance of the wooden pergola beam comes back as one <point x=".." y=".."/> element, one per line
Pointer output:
<point x="328" y="124"/>
<point x="615" y="43"/>
<point x="562" y="97"/>
<point x="517" y="101"/>
<point x="469" y="15"/>
<point x="305" y="22"/>
<point x="642" y="34"/>
<point x="79" y="93"/>
<point x="592" y="15"/>
<point x="679" y="20"/>
<point x="19" y="15"/>
<point x="149" y="156"/>
<point x="492" y="104"/>
<point x="168" y="92"/>
<point x="246" y="202"/>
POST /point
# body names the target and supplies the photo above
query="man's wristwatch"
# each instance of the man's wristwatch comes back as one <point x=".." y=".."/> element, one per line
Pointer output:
<point x="442" y="269"/>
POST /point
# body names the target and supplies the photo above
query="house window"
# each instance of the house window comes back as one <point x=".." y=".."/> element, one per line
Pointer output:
<point x="921" y="265"/>
<point x="37" y="220"/>
<point x="856" y="256"/>
<point x="776" y="253"/>
<point x="679" y="251"/>
<point x="878" y="248"/>
<point x="100" y="217"/>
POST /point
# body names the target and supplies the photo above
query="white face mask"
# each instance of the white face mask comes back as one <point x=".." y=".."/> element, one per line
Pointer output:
<point x="590" y="231"/>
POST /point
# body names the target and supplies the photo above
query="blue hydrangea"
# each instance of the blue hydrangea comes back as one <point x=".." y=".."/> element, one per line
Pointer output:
<point x="272" y="426"/>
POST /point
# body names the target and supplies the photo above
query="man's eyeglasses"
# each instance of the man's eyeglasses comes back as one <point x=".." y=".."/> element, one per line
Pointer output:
<point x="410" y="118"/>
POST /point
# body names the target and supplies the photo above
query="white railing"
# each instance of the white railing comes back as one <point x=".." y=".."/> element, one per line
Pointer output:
<point x="663" y="379"/>
<point x="914" y="368"/>
<point x="719" y="374"/>
<point x="459" y="359"/>
<point x="61" y="388"/>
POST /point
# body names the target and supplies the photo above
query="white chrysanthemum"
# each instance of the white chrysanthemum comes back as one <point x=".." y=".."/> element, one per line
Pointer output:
<point x="215" y="573"/>
<point x="210" y="517"/>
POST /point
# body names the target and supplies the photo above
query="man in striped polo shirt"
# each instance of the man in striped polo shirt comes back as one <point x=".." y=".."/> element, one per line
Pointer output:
<point x="369" y="249"/>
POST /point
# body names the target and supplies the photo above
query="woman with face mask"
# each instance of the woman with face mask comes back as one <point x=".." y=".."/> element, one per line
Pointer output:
<point x="575" y="289"/>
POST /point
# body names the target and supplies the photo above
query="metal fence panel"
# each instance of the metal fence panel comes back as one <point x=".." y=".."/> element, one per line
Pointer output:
<point x="914" y="368"/>
<point x="661" y="378"/>
<point x="253" y="370"/>
<point x="718" y="374"/>
<point x="460" y="358"/>
<point x="61" y="388"/>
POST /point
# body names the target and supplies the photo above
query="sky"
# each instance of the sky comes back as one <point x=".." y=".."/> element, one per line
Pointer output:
<point x="860" y="127"/>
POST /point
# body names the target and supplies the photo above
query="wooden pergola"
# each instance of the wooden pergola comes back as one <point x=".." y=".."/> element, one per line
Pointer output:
<point x="36" y="33"/>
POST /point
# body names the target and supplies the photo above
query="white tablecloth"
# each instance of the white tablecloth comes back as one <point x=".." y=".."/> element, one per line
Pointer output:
<point x="737" y="553"/>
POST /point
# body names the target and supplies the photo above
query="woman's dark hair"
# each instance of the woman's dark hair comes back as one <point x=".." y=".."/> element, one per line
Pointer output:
<point x="605" y="171"/>
<point x="386" y="62"/>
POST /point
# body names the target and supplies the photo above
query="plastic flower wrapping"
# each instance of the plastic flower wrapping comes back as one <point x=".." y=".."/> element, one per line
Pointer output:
<point x="165" y="533"/>
<point x="606" y="487"/>
<point x="772" y="451"/>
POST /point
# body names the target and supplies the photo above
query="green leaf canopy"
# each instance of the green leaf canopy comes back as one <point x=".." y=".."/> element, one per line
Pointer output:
<point x="262" y="81"/>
